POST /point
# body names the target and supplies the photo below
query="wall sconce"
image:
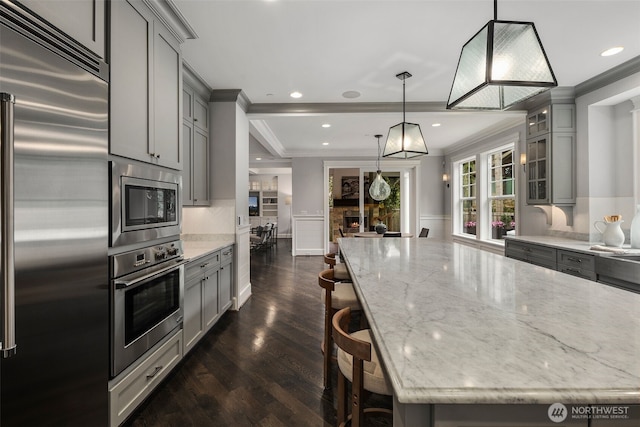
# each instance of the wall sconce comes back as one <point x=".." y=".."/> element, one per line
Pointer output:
<point x="445" y="179"/>
<point x="523" y="161"/>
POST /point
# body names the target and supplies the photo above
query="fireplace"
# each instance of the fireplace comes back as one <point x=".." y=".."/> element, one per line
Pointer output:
<point x="351" y="222"/>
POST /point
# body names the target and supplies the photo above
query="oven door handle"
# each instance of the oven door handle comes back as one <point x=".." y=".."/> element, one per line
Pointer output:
<point x="121" y="284"/>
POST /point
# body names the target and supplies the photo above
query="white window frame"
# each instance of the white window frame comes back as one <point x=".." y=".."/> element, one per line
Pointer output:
<point x="488" y="177"/>
<point x="461" y="198"/>
<point x="481" y="153"/>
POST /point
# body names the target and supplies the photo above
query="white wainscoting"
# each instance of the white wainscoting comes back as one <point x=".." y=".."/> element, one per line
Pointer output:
<point x="242" y="267"/>
<point x="308" y="235"/>
<point x="439" y="226"/>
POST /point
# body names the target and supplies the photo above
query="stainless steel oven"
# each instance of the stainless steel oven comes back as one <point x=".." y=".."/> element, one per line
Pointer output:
<point x="146" y="203"/>
<point x="146" y="291"/>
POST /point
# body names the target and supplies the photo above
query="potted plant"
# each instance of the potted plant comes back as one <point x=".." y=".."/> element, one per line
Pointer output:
<point x="470" y="227"/>
<point x="497" y="229"/>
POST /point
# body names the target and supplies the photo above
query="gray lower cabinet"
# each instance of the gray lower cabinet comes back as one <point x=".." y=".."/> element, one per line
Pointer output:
<point x="82" y="20"/>
<point x="541" y="255"/>
<point x="141" y="379"/>
<point x="145" y="86"/>
<point x="200" y="297"/>
<point x="207" y="293"/>
<point x="226" y="279"/>
<point x="577" y="264"/>
<point x="566" y="261"/>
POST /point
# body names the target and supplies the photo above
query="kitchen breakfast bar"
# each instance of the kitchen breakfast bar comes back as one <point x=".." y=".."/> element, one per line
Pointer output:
<point x="455" y="325"/>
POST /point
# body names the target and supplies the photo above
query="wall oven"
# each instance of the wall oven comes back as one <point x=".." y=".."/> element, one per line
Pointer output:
<point x="146" y="203"/>
<point x="146" y="294"/>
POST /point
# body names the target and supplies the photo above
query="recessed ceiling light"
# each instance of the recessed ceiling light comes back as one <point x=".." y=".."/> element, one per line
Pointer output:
<point x="435" y="125"/>
<point x="325" y="143"/>
<point x="295" y="94"/>
<point x="258" y="158"/>
<point x="612" y="51"/>
<point x="350" y="94"/>
<point x="326" y="125"/>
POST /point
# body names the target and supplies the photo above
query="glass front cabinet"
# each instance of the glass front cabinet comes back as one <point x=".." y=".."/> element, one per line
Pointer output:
<point x="550" y="155"/>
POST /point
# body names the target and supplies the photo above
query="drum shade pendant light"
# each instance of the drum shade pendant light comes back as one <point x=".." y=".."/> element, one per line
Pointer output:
<point x="379" y="189"/>
<point x="503" y="64"/>
<point x="405" y="139"/>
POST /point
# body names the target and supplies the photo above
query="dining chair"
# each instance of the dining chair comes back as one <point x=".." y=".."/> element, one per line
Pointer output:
<point x="336" y="295"/>
<point x="358" y="362"/>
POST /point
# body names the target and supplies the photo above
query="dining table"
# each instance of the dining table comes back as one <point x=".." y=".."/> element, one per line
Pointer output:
<point x="468" y="337"/>
<point x="374" y="234"/>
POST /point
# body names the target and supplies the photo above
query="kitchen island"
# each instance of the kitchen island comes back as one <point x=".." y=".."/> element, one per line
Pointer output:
<point x="455" y="325"/>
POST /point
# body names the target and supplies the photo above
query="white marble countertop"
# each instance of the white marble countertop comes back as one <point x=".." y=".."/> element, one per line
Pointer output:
<point x="570" y="244"/>
<point x="456" y="324"/>
<point x="195" y="246"/>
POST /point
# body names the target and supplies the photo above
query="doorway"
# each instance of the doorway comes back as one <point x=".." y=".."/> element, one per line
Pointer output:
<point x="351" y="210"/>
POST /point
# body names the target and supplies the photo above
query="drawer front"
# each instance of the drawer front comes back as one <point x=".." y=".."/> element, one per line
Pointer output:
<point x="199" y="266"/>
<point x="577" y="260"/>
<point x="535" y="254"/>
<point x="226" y="255"/>
<point x="128" y="393"/>
<point x="577" y="271"/>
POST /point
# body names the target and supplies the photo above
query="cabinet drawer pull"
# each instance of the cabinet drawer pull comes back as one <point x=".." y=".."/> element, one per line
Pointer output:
<point x="204" y="265"/>
<point x="155" y="372"/>
<point x="226" y="253"/>
<point x="574" y="259"/>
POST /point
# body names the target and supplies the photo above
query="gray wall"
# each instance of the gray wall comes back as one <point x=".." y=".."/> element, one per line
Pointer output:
<point x="307" y="175"/>
<point x="432" y="188"/>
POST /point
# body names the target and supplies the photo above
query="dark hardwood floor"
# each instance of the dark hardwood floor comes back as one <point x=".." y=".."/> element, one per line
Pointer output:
<point x="261" y="366"/>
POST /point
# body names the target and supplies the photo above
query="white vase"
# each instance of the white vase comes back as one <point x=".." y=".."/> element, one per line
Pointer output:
<point x="635" y="229"/>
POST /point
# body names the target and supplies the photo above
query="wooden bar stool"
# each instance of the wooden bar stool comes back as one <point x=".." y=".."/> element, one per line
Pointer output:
<point x="357" y="362"/>
<point x="336" y="296"/>
<point x="341" y="272"/>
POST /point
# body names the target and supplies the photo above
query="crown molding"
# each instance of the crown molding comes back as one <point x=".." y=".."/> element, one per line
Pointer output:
<point x="195" y="81"/>
<point x="616" y="73"/>
<point x="231" y="95"/>
<point x="169" y="14"/>
<point x="344" y="108"/>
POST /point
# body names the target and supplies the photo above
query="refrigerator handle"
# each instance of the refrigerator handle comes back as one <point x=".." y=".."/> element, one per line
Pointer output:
<point x="8" y="338"/>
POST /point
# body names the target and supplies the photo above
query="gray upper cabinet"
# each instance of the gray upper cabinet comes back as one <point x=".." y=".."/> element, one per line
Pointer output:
<point x="195" y="122"/>
<point x="550" y="152"/>
<point x="146" y="87"/>
<point x="82" y="20"/>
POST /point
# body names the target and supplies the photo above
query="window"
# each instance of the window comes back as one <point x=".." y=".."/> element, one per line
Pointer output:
<point x="484" y="196"/>
<point x="501" y="193"/>
<point x="468" y="196"/>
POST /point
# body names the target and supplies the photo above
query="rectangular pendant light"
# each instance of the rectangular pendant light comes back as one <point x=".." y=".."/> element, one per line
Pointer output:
<point x="503" y="63"/>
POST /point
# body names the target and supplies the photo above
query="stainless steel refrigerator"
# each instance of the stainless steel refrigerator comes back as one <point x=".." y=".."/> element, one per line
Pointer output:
<point x="55" y="119"/>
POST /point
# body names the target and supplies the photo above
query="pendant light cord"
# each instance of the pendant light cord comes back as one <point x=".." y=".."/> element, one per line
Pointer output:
<point x="378" y="162"/>
<point x="495" y="10"/>
<point x="403" y="99"/>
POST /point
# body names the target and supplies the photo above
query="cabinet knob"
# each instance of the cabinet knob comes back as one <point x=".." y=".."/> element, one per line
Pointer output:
<point x="195" y="120"/>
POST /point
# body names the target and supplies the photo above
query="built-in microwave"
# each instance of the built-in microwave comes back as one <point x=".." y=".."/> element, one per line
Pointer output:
<point x="146" y="203"/>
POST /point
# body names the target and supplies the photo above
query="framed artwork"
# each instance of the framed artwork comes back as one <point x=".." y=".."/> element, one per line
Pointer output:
<point x="350" y="187"/>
